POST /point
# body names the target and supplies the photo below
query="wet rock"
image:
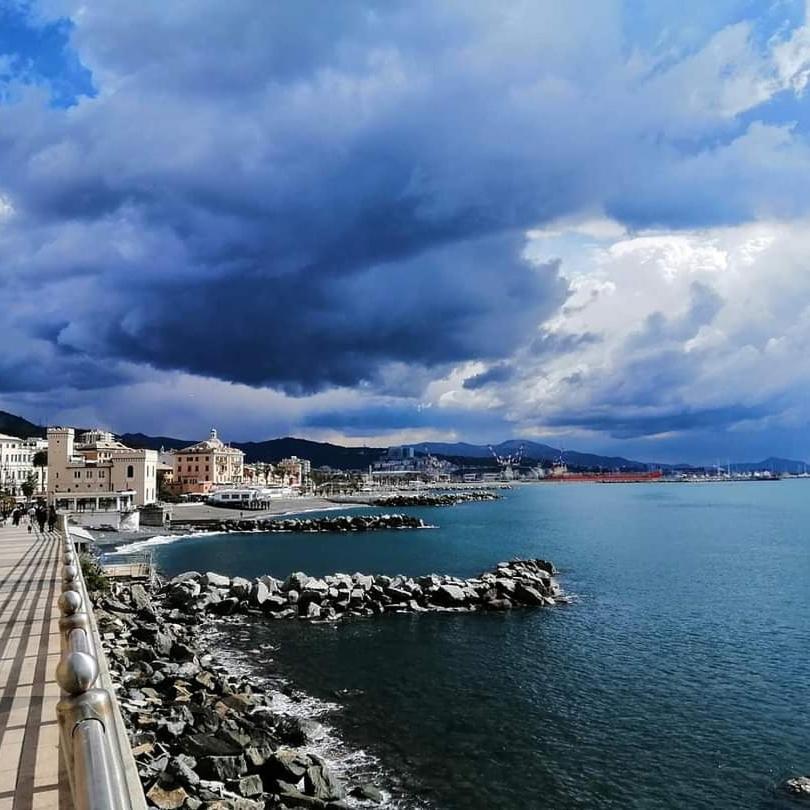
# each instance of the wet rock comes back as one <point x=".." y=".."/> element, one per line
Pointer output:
<point x="320" y="782"/>
<point x="528" y="594"/>
<point x="799" y="786"/>
<point x="241" y="587"/>
<point x="367" y="793"/>
<point x="450" y="596"/>
<point x="289" y="766"/>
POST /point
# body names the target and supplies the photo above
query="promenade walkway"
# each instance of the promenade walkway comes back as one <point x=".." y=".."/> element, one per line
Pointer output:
<point x="30" y="584"/>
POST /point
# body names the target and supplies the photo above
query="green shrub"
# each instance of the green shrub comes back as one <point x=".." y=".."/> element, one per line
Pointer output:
<point x="94" y="577"/>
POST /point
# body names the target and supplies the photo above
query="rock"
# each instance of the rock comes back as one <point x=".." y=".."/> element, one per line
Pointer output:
<point x="250" y="785"/>
<point x="140" y="599"/>
<point x="321" y="783"/>
<point x="449" y="596"/>
<point x="293" y="798"/>
<point x="166" y="799"/>
<point x="290" y="766"/>
<point x="182" y="652"/>
<point x="367" y="793"/>
<point x="274" y="603"/>
<point x="312" y="611"/>
<point x="223" y="768"/>
<point x="224" y="607"/>
<point x="260" y="594"/>
<point x="497" y="604"/>
<point x="799" y="786"/>
<point x="296" y="581"/>
<point x="216" y="580"/>
<point x="183" y="768"/>
<point x="528" y="595"/>
<point x="207" y="745"/>
<point x="240" y="587"/>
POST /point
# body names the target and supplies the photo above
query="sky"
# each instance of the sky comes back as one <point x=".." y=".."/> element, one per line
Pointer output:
<point x="584" y="223"/>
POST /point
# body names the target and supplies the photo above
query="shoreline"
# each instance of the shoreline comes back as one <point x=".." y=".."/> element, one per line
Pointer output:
<point x="218" y="728"/>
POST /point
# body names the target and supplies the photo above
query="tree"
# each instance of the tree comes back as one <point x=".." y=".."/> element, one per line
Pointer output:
<point x="41" y="458"/>
<point x="29" y="486"/>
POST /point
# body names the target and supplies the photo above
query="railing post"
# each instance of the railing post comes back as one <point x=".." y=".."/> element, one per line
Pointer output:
<point x="85" y="714"/>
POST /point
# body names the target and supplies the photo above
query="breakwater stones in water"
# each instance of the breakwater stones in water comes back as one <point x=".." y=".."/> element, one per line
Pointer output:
<point x="518" y="583"/>
<point x="203" y="739"/>
<point x="435" y="499"/>
<point x="337" y="523"/>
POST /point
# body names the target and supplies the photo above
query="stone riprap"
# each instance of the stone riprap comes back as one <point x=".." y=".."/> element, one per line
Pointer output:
<point x="518" y="583"/>
<point x="204" y="739"/>
<point x="435" y="499"/>
<point x="336" y="523"/>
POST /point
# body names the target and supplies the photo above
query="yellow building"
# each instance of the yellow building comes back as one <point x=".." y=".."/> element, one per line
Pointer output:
<point x="96" y="467"/>
<point x="209" y="463"/>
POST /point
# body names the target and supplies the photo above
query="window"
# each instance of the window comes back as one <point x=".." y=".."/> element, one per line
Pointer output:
<point x="130" y="471"/>
<point x="77" y="474"/>
<point x="101" y="474"/>
<point x="88" y="474"/>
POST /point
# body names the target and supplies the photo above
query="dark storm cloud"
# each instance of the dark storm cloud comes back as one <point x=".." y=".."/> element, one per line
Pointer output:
<point x="303" y="195"/>
<point x="499" y="373"/>
<point x="303" y="333"/>
<point x="632" y="422"/>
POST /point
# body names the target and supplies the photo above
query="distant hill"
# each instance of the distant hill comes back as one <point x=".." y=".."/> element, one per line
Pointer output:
<point x="358" y="458"/>
<point x="772" y="463"/>
<point x="533" y="452"/>
<point x="319" y="453"/>
<point x="13" y="425"/>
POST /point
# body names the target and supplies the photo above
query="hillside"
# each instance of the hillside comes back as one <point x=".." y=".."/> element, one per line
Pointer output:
<point x="13" y="425"/>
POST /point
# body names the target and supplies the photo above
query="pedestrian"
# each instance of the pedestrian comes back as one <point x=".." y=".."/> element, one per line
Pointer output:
<point x="31" y="517"/>
<point x="16" y="515"/>
<point x="42" y="516"/>
<point x="51" y="518"/>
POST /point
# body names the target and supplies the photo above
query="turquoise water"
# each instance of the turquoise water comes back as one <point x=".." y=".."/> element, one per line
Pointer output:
<point x="680" y="676"/>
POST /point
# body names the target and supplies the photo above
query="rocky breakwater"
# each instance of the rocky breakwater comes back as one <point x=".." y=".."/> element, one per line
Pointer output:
<point x="203" y="739"/>
<point x="518" y="583"/>
<point x="337" y="523"/>
<point x="435" y="499"/>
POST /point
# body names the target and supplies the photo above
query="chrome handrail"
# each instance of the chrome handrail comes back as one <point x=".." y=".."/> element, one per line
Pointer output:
<point x="86" y="712"/>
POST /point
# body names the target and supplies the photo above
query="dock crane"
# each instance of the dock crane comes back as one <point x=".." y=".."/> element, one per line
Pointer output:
<point x="508" y="463"/>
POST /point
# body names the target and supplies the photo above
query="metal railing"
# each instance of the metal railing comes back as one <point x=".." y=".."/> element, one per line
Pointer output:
<point x="86" y="713"/>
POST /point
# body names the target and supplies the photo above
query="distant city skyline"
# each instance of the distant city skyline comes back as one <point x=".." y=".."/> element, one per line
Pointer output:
<point x="377" y="223"/>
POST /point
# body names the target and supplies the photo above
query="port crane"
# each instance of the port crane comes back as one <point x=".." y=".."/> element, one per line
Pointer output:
<point x="508" y="463"/>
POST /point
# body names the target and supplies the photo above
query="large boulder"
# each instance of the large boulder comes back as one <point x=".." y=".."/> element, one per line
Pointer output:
<point x="449" y="596"/>
<point x="528" y="595"/>
<point x="296" y="581"/>
<point x="240" y="587"/>
<point x="320" y="782"/>
<point x="799" y="786"/>
<point x="215" y="580"/>
<point x="259" y="594"/>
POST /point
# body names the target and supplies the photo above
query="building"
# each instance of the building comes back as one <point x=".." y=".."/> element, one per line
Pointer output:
<point x="17" y="457"/>
<point x="96" y="472"/>
<point x="294" y="472"/>
<point x="209" y="463"/>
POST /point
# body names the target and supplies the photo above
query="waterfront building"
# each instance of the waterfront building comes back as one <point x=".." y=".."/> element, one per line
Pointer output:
<point x="200" y="467"/>
<point x="294" y="472"/>
<point x="18" y="464"/>
<point x="97" y="472"/>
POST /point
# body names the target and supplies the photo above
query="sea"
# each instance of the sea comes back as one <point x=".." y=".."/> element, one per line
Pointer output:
<point x="677" y="677"/>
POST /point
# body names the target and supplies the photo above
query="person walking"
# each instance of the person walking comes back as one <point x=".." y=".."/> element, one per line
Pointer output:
<point x="42" y="517"/>
<point x="16" y="515"/>
<point x="51" y="518"/>
<point x="31" y="518"/>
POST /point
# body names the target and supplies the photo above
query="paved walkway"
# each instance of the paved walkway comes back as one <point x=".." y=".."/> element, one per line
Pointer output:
<point x="30" y="584"/>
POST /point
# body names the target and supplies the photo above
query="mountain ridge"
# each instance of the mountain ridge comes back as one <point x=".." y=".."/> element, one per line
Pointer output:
<point x="352" y="458"/>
